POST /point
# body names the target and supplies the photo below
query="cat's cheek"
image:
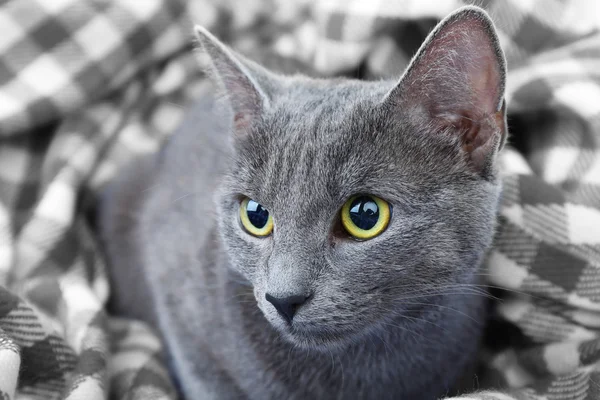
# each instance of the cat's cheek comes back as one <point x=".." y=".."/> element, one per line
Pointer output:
<point x="258" y="295"/>
<point x="247" y="254"/>
<point x="351" y="255"/>
<point x="242" y="259"/>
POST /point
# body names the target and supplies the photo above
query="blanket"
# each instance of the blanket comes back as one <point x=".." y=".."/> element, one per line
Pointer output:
<point x="86" y="86"/>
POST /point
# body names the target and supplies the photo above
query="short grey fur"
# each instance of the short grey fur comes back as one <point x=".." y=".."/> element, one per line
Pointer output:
<point x="395" y="317"/>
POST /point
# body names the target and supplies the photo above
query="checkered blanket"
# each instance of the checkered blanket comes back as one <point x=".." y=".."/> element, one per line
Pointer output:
<point x="87" y="85"/>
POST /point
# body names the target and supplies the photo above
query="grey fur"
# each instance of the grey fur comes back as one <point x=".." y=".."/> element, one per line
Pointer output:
<point x="398" y="316"/>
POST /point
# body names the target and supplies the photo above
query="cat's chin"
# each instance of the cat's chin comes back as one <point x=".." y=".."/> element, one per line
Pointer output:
<point x="318" y="340"/>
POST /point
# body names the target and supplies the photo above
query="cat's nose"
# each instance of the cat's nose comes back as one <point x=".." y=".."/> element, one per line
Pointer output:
<point x="287" y="306"/>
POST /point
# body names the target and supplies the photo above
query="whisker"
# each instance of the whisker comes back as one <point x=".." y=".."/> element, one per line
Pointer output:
<point x="417" y="335"/>
<point x="482" y="288"/>
<point x="150" y="187"/>
<point x="184" y="196"/>
<point x="176" y="105"/>
<point x="444" y="307"/>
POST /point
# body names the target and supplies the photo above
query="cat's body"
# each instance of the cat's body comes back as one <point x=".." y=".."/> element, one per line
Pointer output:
<point x="396" y="316"/>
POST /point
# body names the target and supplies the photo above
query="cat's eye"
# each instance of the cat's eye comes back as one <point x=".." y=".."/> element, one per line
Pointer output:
<point x="255" y="219"/>
<point x="365" y="216"/>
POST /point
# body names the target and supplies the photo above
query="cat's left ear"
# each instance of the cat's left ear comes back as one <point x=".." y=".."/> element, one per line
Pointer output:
<point x="455" y="84"/>
<point x="238" y="79"/>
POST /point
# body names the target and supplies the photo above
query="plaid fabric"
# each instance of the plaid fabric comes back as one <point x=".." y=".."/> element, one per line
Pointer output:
<point x="85" y="86"/>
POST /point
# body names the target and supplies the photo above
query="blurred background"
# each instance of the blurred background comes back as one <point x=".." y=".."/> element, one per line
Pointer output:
<point x="87" y="86"/>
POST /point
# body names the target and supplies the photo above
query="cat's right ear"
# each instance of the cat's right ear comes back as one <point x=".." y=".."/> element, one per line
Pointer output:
<point x="237" y="80"/>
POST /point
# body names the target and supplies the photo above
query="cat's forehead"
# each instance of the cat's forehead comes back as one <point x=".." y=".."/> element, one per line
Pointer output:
<point x="321" y="144"/>
<point x="335" y="97"/>
<point x="310" y="112"/>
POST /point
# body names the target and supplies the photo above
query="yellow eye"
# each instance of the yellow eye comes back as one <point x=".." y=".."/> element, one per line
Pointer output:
<point x="255" y="219"/>
<point x="365" y="216"/>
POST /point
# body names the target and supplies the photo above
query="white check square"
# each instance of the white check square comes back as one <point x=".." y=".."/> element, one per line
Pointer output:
<point x="45" y="75"/>
<point x="98" y="38"/>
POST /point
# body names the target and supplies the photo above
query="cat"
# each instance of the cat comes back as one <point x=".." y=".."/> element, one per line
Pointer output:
<point x="304" y="238"/>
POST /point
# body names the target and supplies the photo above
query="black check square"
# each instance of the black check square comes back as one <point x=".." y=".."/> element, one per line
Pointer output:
<point x="534" y="34"/>
<point x="534" y="191"/>
<point x="49" y="34"/>
<point x="558" y="266"/>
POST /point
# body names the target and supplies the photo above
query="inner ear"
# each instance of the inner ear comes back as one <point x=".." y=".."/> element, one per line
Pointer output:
<point x="456" y="83"/>
<point x="480" y="136"/>
<point x="459" y="68"/>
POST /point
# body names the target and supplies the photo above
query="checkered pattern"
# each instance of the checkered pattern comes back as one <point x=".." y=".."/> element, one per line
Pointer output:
<point x="85" y="86"/>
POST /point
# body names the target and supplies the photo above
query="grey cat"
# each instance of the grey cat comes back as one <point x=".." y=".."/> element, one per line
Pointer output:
<point x="303" y="238"/>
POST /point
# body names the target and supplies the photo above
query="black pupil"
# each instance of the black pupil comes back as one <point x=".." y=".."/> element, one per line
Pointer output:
<point x="257" y="214"/>
<point x="364" y="212"/>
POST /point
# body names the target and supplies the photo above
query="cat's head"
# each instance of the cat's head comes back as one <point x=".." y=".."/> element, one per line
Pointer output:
<point x="348" y="202"/>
